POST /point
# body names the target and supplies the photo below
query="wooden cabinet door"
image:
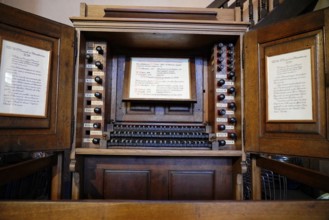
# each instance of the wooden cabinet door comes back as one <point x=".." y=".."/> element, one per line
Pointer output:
<point x="286" y="87"/>
<point x="37" y="82"/>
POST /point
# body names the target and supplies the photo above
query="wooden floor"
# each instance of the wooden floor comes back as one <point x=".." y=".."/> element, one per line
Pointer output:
<point x="135" y="210"/>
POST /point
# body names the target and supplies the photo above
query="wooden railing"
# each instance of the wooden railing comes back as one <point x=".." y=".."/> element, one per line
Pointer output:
<point x="266" y="11"/>
<point x="300" y="174"/>
<point x="145" y="210"/>
<point x="23" y="169"/>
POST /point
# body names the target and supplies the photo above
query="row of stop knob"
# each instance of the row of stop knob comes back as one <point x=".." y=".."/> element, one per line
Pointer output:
<point x="90" y="57"/>
<point x="95" y="64"/>
<point x="226" y="93"/>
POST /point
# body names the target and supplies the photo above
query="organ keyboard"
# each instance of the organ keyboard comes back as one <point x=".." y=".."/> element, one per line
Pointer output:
<point x="172" y="136"/>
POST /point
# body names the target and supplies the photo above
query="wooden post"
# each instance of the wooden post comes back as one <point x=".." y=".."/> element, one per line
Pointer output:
<point x="56" y="181"/>
<point x="256" y="183"/>
<point x="75" y="186"/>
<point x="237" y="179"/>
<point x="83" y="9"/>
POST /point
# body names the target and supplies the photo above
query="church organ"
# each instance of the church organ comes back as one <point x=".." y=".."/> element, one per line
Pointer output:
<point x="120" y="139"/>
<point x="167" y="101"/>
<point x="144" y="133"/>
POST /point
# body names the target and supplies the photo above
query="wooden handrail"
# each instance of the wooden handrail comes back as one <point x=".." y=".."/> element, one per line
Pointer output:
<point x="300" y="174"/>
<point x="143" y="210"/>
<point x="25" y="168"/>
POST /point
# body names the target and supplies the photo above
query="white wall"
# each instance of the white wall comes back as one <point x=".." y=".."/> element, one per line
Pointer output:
<point x="322" y="4"/>
<point x="61" y="10"/>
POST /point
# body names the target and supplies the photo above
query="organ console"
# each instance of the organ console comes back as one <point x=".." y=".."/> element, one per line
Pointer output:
<point x="138" y="133"/>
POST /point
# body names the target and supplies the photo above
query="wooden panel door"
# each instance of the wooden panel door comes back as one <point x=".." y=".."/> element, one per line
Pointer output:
<point x="157" y="178"/>
<point x="20" y="131"/>
<point x="286" y="87"/>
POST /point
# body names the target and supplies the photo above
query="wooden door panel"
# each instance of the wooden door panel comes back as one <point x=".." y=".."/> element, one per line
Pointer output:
<point x="126" y="184"/>
<point x="191" y="185"/>
<point x="294" y="128"/>
<point x="158" y="178"/>
<point x="51" y="130"/>
<point x="297" y="44"/>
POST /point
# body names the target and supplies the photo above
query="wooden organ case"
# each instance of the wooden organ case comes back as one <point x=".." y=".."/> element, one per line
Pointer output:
<point x="138" y="131"/>
<point x="137" y="135"/>
<point x="135" y="140"/>
<point x="159" y="104"/>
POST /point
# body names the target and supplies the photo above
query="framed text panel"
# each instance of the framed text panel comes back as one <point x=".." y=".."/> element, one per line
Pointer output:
<point x="292" y="101"/>
<point x="24" y="78"/>
<point x="158" y="110"/>
<point x="159" y="79"/>
<point x="289" y="86"/>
